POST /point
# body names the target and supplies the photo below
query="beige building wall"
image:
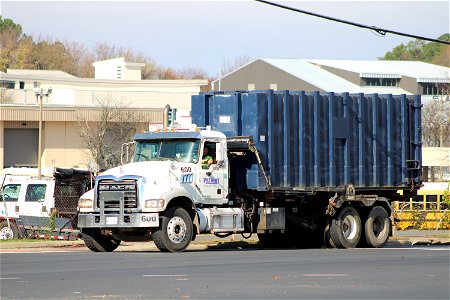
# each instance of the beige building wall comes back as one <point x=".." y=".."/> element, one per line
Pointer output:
<point x="63" y="146"/>
<point x="259" y="75"/>
<point x="154" y="94"/>
<point x="353" y="77"/>
<point x="410" y="84"/>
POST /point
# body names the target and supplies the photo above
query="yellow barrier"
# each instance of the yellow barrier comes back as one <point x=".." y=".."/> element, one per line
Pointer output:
<point x="427" y="210"/>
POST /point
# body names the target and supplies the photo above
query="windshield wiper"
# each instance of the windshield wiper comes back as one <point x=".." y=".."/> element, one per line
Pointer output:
<point x="144" y="156"/>
<point x="164" y="158"/>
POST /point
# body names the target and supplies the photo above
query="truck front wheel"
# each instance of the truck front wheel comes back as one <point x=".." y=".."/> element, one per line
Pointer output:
<point x="175" y="231"/>
<point x="377" y="227"/>
<point x="345" y="228"/>
<point x="98" y="242"/>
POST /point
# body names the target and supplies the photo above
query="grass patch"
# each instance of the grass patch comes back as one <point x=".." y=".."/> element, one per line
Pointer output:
<point x="27" y="240"/>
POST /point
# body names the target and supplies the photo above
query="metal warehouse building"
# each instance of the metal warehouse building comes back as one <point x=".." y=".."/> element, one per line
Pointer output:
<point x="353" y="76"/>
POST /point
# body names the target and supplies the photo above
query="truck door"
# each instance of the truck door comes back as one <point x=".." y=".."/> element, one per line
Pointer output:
<point x="38" y="199"/>
<point x="10" y="196"/>
<point x="213" y="178"/>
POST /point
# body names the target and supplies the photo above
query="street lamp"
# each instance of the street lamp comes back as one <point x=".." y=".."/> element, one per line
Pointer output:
<point x="40" y="93"/>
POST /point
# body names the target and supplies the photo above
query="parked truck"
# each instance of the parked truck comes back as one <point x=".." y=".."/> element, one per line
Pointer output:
<point x="296" y="168"/>
<point x="43" y="207"/>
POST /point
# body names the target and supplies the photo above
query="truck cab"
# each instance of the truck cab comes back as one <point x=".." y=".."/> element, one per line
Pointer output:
<point x="176" y="158"/>
<point x="166" y="175"/>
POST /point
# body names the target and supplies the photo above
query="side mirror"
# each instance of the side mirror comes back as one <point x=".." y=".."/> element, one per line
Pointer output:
<point x="219" y="154"/>
<point x="125" y="152"/>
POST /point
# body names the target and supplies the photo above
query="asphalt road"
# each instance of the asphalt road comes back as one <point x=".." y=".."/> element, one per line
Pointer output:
<point x="388" y="273"/>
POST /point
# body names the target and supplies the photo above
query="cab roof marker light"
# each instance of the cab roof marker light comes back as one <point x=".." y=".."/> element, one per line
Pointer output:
<point x="193" y="127"/>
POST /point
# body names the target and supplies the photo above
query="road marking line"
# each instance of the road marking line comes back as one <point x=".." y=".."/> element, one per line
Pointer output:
<point x="325" y="275"/>
<point x="155" y="275"/>
<point x="10" y="278"/>
<point x="34" y="252"/>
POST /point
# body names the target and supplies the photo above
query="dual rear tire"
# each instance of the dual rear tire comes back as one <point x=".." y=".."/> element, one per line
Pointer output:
<point x="377" y="228"/>
<point x="346" y="230"/>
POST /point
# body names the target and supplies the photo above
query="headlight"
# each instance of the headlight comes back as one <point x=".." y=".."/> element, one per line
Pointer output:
<point x="158" y="203"/>
<point x="85" y="203"/>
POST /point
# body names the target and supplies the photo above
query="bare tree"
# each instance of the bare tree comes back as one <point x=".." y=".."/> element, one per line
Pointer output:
<point x="436" y="119"/>
<point x="192" y="73"/>
<point x="115" y="124"/>
<point x="82" y="59"/>
<point x="228" y="67"/>
<point x="436" y="125"/>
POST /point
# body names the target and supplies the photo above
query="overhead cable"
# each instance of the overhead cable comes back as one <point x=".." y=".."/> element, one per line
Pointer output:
<point x="380" y="31"/>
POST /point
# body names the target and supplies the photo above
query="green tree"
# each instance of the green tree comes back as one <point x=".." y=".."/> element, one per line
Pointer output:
<point x="10" y="35"/>
<point x="19" y="51"/>
<point x="8" y="24"/>
<point x="431" y="52"/>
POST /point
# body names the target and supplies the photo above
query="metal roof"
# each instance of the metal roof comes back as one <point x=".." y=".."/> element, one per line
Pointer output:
<point x="43" y="73"/>
<point x="167" y="135"/>
<point x="416" y="69"/>
<point x="325" y="80"/>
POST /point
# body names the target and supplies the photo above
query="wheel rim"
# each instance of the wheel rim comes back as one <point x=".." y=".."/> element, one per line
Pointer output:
<point x="349" y="227"/>
<point x="6" y="233"/>
<point x="379" y="227"/>
<point x="176" y="230"/>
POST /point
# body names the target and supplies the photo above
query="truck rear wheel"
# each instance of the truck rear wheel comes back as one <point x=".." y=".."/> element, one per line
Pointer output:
<point x="328" y="242"/>
<point x="377" y="227"/>
<point x="98" y="242"/>
<point x="345" y="228"/>
<point x="8" y="233"/>
<point x="175" y="231"/>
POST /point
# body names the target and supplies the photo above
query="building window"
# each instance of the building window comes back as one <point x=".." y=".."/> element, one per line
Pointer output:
<point x="273" y="86"/>
<point x="251" y="86"/>
<point x="7" y="84"/>
<point x="381" y="81"/>
<point x="434" y="88"/>
<point x="22" y="85"/>
<point x="119" y="72"/>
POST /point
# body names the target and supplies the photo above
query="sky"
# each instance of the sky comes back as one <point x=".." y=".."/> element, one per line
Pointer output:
<point x="210" y="34"/>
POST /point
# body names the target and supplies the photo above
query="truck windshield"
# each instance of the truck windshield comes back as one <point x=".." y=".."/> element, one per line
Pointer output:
<point x="182" y="150"/>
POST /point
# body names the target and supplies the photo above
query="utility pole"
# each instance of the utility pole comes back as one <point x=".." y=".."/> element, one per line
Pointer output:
<point x="40" y="93"/>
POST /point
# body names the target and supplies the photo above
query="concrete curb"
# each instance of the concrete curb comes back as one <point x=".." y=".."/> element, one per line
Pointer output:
<point x="212" y="244"/>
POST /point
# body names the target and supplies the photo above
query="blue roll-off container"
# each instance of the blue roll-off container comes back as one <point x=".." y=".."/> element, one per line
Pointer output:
<point x="321" y="141"/>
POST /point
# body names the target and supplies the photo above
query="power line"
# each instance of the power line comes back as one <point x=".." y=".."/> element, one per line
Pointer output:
<point x="380" y="31"/>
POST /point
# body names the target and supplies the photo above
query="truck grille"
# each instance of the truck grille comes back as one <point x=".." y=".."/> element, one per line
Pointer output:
<point x="117" y="194"/>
